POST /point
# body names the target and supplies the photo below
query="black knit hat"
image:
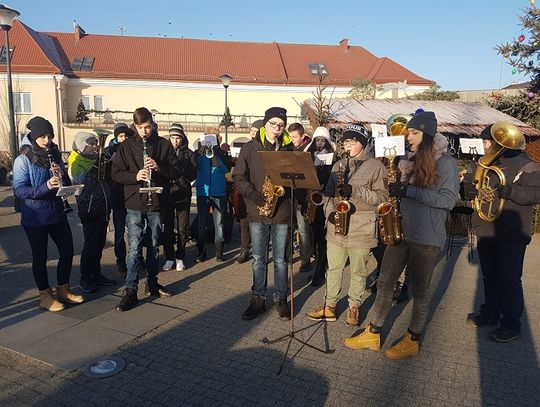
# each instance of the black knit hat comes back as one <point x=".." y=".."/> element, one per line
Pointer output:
<point x="39" y="126"/>
<point x="358" y="132"/>
<point x="177" y="129"/>
<point x="120" y="128"/>
<point x="425" y="122"/>
<point x="278" y="112"/>
<point x="486" y="133"/>
<point x="257" y="124"/>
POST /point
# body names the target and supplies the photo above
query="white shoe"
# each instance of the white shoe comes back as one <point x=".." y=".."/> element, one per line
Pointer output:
<point x="180" y="265"/>
<point x="169" y="264"/>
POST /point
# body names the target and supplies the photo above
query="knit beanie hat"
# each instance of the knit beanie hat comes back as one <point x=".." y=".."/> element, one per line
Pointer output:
<point x="257" y="124"/>
<point x="486" y="133"/>
<point x="39" y="126"/>
<point x="177" y="129"/>
<point x="82" y="139"/>
<point x="357" y="132"/>
<point x="425" y="122"/>
<point x="120" y="128"/>
<point x="278" y="112"/>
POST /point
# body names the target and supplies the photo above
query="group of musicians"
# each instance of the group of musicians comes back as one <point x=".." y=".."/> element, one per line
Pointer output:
<point x="341" y="222"/>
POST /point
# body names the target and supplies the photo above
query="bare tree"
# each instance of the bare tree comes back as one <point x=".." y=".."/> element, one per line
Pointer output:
<point x="318" y="113"/>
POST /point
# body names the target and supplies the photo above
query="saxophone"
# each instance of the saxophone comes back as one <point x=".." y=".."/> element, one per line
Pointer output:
<point x="314" y="199"/>
<point x="343" y="206"/>
<point x="388" y="212"/>
<point x="271" y="194"/>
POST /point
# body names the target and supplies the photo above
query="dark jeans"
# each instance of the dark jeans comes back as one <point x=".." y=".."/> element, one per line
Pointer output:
<point x="95" y="236"/>
<point x="140" y="224"/>
<point x="119" y="220"/>
<point x="204" y="203"/>
<point x="38" y="237"/>
<point x="171" y="219"/>
<point x="244" y="233"/>
<point x="420" y="261"/>
<point x="502" y="267"/>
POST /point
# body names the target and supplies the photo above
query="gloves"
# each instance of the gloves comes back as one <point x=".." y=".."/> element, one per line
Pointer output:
<point x="398" y="189"/>
<point x="504" y="191"/>
<point x="345" y="190"/>
<point x="257" y="197"/>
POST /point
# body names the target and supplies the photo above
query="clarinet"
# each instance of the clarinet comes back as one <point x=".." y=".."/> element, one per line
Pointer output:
<point x="149" y="181"/>
<point x="57" y="172"/>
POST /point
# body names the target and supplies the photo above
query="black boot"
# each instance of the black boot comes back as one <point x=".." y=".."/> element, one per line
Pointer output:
<point x="201" y="252"/>
<point x="243" y="256"/>
<point x="257" y="306"/>
<point x="219" y="252"/>
<point x="403" y="294"/>
<point x="129" y="300"/>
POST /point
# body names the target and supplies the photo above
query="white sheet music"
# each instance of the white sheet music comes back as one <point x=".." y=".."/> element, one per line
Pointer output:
<point x="474" y="146"/>
<point x="378" y="130"/>
<point x="208" y="140"/>
<point x="389" y="146"/>
<point x="70" y="190"/>
<point x="324" y="159"/>
<point x="235" y="151"/>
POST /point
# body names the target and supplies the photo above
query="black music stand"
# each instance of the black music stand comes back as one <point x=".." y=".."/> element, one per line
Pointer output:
<point x="292" y="169"/>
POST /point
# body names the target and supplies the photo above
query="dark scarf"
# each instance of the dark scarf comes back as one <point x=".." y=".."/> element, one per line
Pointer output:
<point x="40" y="156"/>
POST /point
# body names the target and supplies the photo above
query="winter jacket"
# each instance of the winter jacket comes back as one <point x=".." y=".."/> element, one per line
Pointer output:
<point x="211" y="173"/>
<point x="117" y="190"/>
<point x="93" y="203"/>
<point x="180" y="188"/>
<point x="367" y="176"/>
<point x="514" y="224"/>
<point x="249" y="175"/>
<point x="129" y="160"/>
<point x="39" y="205"/>
<point x="424" y="210"/>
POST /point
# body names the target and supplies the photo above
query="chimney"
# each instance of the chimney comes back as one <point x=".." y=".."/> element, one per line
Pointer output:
<point x="344" y="43"/>
<point x="78" y="31"/>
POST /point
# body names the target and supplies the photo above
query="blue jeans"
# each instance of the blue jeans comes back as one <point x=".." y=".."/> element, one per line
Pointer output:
<point x="135" y="222"/>
<point x="260" y="238"/>
<point x="204" y="203"/>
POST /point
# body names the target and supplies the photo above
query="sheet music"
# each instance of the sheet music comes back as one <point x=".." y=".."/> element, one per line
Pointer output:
<point x="389" y="146"/>
<point x="324" y="159"/>
<point x="473" y="146"/>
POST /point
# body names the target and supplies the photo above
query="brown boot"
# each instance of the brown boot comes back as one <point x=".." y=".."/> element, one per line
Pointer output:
<point x="404" y="349"/>
<point x="366" y="340"/>
<point x="49" y="302"/>
<point x="323" y="313"/>
<point x="353" y="315"/>
<point x="65" y="295"/>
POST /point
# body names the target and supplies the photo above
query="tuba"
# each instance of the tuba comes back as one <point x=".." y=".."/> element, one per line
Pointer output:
<point x="342" y="205"/>
<point x="271" y="194"/>
<point x="102" y="137"/>
<point x="388" y="213"/>
<point x="314" y="199"/>
<point x="506" y="136"/>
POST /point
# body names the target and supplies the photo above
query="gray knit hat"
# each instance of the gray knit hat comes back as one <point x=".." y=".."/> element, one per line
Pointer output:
<point x="425" y="122"/>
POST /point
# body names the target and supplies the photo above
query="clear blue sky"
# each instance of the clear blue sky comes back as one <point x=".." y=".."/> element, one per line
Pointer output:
<point x="449" y="41"/>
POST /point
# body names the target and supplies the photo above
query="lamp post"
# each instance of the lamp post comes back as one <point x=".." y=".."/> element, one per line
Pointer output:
<point x="226" y="80"/>
<point x="6" y="21"/>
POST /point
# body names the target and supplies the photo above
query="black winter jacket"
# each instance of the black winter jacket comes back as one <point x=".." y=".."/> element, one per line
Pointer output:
<point x="117" y="190"/>
<point x="180" y="188"/>
<point x="249" y="175"/>
<point x="129" y="160"/>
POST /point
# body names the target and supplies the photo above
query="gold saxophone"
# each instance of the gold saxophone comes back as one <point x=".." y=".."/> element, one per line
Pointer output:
<point x="343" y="206"/>
<point x="506" y="136"/>
<point x="271" y="194"/>
<point x="314" y="199"/>
<point x="388" y="212"/>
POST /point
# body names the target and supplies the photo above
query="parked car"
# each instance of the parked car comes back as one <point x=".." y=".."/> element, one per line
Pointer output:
<point x="6" y="166"/>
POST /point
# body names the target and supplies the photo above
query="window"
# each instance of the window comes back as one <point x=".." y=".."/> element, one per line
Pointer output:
<point x="22" y="103"/>
<point x="98" y="105"/>
<point x="316" y="69"/>
<point x="83" y="63"/>
<point x="86" y="102"/>
<point x="3" y="54"/>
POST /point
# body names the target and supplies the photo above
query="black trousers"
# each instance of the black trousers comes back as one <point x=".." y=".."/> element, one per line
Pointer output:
<point x="171" y="218"/>
<point x="119" y="220"/>
<point x="244" y="233"/>
<point x="502" y="267"/>
<point x="38" y="237"/>
<point x="95" y="236"/>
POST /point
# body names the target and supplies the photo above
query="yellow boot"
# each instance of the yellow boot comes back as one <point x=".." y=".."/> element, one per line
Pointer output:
<point x="323" y="313"/>
<point x="404" y="349"/>
<point x="49" y="302"/>
<point x="65" y="295"/>
<point x="366" y="340"/>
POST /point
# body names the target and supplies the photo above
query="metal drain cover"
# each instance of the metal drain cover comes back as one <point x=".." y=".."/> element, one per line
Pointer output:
<point x="105" y="367"/>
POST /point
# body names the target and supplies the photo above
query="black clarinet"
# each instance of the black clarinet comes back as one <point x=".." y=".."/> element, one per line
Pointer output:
<point x="149" y="182"/>
<point x="58" y="173"/>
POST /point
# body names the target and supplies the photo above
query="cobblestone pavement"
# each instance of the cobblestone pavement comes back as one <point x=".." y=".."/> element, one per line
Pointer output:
<point x="209" y="356"/>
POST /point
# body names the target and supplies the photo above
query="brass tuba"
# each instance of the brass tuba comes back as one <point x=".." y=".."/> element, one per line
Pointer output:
<point x="271" y="194"/>
<point x="388" y="212"/>
<point x="506" y="137"/>
<point x="102" y="138"/>
<point x="314" y="199"/>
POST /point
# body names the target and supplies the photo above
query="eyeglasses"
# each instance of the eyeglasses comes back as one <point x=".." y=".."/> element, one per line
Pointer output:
<point x="276" y="125"/>
<point x="350" y="142"/>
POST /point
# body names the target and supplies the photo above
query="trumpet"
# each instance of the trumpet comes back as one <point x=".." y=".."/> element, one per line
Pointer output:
<point x="209" y="152"/>
<point x="57" y="172"/>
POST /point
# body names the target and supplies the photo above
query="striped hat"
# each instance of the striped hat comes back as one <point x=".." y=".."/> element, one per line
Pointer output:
<point x="177" y="129"/>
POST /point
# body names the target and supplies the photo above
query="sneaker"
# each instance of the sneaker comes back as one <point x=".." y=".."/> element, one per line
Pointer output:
<point x="101" y="280"/>
<point x="366" y="340"/>
<point x="323" y="313"/>
<point x="87" y="286"/>
<point x="404" y="349"/>
<point x="129" y="300"/>
<point x="168" y="266"/>
<point x="256" y="306"/>
<point x="157" y="290"/>
<point x="503" y="334"/>
<point x="353" y="316"/>
<point x="180" y="265"/>
<point x="283" y="310"/>
<point x="479" y="319"/>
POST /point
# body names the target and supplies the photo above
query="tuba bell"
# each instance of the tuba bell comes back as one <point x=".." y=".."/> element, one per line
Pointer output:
<point x="396" y="125"/>
<point x="102" y="137"/>
<point x="506" y="136"/>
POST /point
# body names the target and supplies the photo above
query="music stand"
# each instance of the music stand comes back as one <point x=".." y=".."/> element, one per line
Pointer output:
<point x="292" y="169"/>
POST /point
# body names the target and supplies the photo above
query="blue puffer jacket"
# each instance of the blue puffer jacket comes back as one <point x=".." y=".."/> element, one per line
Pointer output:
<point x="211" y="180"/>
<point x="39" y="205"/>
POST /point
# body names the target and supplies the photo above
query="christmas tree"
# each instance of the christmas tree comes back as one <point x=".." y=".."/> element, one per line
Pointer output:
<point x="82" y="114"/>
<point x="226" y="121"/>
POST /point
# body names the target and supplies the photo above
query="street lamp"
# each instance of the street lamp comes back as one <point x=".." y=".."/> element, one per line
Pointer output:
<point x="226" y="80"/>
<point x="6" y="21"/>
